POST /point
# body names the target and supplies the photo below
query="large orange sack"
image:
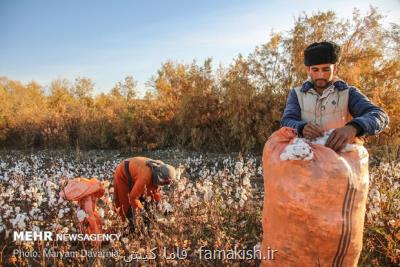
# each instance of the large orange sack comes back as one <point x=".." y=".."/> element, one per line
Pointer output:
<point x="313" y="211"/>
<point x="86" y="192"/>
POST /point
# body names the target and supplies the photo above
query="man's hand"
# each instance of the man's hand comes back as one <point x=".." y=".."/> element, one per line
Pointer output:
<point x="340" y="137"/>
<point x="312" y="131"/>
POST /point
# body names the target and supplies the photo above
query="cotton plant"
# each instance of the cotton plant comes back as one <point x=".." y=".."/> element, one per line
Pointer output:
<point x="81" y="215"/>
<point x="19" y="221"/>
<point x="166" y="207"/>
<point x="217" y="194"/>
<point x="213" y="183"/>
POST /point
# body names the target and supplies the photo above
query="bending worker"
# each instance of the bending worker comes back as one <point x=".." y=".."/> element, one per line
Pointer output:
<point x="135" y="178"/>
<point x="324" y="102"/>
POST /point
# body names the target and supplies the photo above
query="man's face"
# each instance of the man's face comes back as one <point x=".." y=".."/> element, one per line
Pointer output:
<point x="322" y="74"/>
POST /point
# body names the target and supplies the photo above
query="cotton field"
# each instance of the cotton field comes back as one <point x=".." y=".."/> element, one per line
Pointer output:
<point x="215" y="203"/>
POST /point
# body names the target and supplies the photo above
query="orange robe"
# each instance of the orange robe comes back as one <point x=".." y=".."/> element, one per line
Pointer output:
<point x="142" y="184"/>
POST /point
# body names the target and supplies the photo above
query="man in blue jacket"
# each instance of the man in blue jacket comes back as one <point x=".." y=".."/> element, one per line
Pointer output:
<point x="325" y="102"/>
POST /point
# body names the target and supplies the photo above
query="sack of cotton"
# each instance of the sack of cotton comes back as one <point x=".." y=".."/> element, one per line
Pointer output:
<point x="86" y="192"/>
<point x="314" y="202"/>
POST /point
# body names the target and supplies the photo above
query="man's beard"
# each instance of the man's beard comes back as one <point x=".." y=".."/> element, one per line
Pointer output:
<point x="321" y="83"/>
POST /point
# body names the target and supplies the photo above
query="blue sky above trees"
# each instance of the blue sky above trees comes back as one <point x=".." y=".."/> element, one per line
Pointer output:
<point x="106" y="41"/>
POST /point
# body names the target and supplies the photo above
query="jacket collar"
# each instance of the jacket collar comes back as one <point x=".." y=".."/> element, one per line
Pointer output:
<point x="339" y="84"/>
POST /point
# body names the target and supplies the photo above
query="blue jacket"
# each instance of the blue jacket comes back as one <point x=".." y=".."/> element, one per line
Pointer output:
<point x="368" y="118"/>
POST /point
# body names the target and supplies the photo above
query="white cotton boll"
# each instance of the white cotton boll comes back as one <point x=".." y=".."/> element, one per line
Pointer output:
<point x="32" y="212"/>
<point x="323" y="139"/>
<point x="19" y="221"/>
<point x="297" y="150"/>
<point x="81" y="215"/>
<point x="6" y="177"/>
<point x="14" y="183"/>
<point x="375" y="195"/>
<point x="166" y="207"/>
<point x="239" y="167"/>
<point x="246" y="181"/>
<point x="199" y="186"/>
<point x="309" y="156"/>
<point x="21" y="225"/>
<point x="60" y="213"/>
<point x="259" y="170"/>
<point x="52" y="201"/>
<point x="7" y="213"/>
<point x="237" y="195"/>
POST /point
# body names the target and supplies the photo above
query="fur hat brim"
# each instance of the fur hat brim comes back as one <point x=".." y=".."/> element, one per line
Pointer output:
<point x="321" y="53"/>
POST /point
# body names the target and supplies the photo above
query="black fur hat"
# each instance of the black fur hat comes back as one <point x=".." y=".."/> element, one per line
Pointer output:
<point x="321" y="53"/>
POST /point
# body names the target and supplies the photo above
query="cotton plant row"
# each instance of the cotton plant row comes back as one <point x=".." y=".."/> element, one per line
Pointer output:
<point x="229" y="180"/>
<point x="384" y="193"/>
<point x="382" y="235"/>
<point x="30" y="200"/>
<point x="214" y="201"/>
<point x="29" y="191"/>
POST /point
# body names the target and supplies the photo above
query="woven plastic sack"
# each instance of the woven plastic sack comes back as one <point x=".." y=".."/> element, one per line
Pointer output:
<point x="314" y="207"/>
<point x="86" y="192"/>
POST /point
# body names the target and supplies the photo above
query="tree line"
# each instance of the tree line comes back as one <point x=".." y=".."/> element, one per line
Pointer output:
<point x="196" y="106"/>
